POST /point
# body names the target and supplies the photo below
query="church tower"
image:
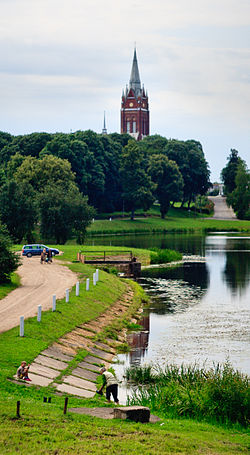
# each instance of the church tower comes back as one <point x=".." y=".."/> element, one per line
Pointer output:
<point x="134" y="106"/>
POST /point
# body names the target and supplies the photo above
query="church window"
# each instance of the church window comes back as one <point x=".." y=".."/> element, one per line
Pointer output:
<point x="134" y="126"/>
<point x="128" y="127"/>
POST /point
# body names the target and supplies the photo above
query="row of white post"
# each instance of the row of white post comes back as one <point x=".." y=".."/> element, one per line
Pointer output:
<point x="39" y="309"/>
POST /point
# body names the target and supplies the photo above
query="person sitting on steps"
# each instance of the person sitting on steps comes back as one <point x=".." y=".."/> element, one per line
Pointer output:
<point x="22" y="371"/>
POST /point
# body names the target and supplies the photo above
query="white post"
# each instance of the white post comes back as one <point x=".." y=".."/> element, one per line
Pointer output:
<point x="77" y="288"/>
<point x="67" y="295"/>
<point x="54" y="303"/>
<point x="21" y="326"/>
<point x="87" y="284"/>
<point x="97" y="275"/>
<point x="94" y="279"/>
<point x="39" y="313"/>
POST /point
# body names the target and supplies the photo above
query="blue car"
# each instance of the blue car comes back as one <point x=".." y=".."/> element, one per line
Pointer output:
<point x="36" y="249"/>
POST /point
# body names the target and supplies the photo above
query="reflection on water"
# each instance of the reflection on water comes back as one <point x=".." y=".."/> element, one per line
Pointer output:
<point x="236" y="271"/>
<point x="200" y="311"/>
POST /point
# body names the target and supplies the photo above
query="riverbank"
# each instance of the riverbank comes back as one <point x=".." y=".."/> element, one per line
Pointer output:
<point x="177" y="221"/>
<point x="43" y="428"/>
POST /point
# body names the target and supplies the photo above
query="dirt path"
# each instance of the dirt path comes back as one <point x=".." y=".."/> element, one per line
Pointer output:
<point x="39" y="283"/>
<point x="221" y="210"/>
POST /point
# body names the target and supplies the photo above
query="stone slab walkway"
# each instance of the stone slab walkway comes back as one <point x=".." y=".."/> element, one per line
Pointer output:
<point x="105" y="413"/>
<point x="51" y="363"/>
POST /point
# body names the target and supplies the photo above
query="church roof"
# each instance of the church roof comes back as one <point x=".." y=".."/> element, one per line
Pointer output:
<point x="135" y="82"/>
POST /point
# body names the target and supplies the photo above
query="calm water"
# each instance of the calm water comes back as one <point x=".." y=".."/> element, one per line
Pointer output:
<point x="200" y="311"/>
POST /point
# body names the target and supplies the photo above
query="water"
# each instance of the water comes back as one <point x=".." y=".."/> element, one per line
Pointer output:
<point x="200" y="311"/>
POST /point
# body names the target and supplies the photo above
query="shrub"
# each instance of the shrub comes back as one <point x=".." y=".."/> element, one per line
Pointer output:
<point x="8" y="260"/>
<point x="158" y="256"/>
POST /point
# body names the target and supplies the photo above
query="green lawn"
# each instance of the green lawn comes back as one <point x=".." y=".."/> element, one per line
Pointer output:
<point x="177" y="220"/>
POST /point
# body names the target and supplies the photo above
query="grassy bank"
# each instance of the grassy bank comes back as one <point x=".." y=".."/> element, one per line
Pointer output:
<point x="177" y="220"/>
<point x="44" y="429"/>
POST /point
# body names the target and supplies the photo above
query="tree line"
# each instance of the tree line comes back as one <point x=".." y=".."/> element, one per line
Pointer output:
<point x="236" y="179"/>
<point x="57" y="182"/>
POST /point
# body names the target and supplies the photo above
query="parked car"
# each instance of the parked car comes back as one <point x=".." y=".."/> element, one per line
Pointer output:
<point x="36" y="249"/>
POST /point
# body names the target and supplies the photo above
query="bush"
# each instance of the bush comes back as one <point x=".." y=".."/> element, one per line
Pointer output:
<point x="158" y="256"/>
<point x="9" y="261"/>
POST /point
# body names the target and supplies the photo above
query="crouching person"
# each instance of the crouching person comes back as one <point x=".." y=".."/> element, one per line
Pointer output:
<point x="22" y="372"/>
<point x="111" y="384"/>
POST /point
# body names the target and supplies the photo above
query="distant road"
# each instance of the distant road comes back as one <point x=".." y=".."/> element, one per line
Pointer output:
<point x="221" y="210"/>
<point x="39" y="283"/>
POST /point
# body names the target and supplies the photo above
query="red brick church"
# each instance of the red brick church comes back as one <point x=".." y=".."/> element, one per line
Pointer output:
<point x="134" y="106"/>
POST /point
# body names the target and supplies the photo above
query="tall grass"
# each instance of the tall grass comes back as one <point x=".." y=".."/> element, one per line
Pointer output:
<point x="220" y="393"/>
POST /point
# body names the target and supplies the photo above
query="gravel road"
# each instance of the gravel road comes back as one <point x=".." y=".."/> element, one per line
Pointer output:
<point x="39" y="283"/>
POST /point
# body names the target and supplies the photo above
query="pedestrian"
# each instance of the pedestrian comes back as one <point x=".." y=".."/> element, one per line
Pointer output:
<point x="49" y="256"/>
<point x="43" y="256"/>
<point x="111" y="384"/>
<point x="22" y="371"/>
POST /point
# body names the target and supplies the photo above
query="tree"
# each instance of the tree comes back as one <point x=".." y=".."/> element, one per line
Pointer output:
<point x="193" y="167"/>
<point x="18" y="209"/>
<point x="40" y="173"/>
<point x="64" y="212"/>
<point x="137" y="185"/>
<point x="166" y="175"/>
<point x="228" y="173"/>
<point x="9" y="261"/>
<point x="240" y="197"/>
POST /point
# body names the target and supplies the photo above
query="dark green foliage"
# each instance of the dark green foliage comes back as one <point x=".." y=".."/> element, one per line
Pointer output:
<point x="240" y="197"/>
<point x="160" y="256"/>
<point x="9" y="261"/>
<point x="137" y="185"/>
<point x="228" y="173"/>
<point x="220" y="393"/>
<point x="193" y="167"/>
<point x="18" y="209"/>
<point x="64" y="212"/>
<point x="168" y="179"/>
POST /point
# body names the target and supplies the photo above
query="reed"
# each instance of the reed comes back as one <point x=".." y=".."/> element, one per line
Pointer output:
<point x="216" y="394"/>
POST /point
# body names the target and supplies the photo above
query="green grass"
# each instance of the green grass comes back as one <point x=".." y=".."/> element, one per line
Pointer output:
<point x="6" y="288"/>
<point x="176" y="221"/>
<point x="43" y="429"/>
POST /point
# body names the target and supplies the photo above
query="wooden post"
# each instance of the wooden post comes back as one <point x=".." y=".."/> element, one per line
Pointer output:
<point x="94" y="279"/>
<point x="87" y="284"/>
<point x="18" y="409"/>
<point x="77" y="288"/>
<point x="67" y="295"/>
<point x="65" y="405"/>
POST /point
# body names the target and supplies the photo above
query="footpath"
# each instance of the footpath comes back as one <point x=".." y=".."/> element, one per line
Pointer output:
<point x="53" y="365"/>
<point x="221" y="209"/>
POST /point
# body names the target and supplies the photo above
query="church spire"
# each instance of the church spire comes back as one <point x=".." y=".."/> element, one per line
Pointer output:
<point x="135" y="82"/>
<point x="104" y="130"/>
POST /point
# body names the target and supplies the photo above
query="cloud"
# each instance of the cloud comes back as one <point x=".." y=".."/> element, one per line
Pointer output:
<point x="63" y="63"/>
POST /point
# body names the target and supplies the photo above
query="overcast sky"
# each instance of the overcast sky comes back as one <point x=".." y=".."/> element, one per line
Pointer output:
<point x="63" y="62"/>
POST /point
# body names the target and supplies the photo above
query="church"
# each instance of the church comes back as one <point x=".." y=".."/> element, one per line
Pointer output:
<point x="134" y="106"/>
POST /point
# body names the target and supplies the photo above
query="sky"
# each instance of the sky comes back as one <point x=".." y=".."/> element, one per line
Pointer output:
<point x="64" y="62"/>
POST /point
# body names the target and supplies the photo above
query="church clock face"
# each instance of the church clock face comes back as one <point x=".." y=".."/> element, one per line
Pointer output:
<point x="131" y="104"/>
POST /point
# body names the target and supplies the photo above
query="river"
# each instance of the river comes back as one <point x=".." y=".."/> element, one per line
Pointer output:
<point x="200" y="311"/>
